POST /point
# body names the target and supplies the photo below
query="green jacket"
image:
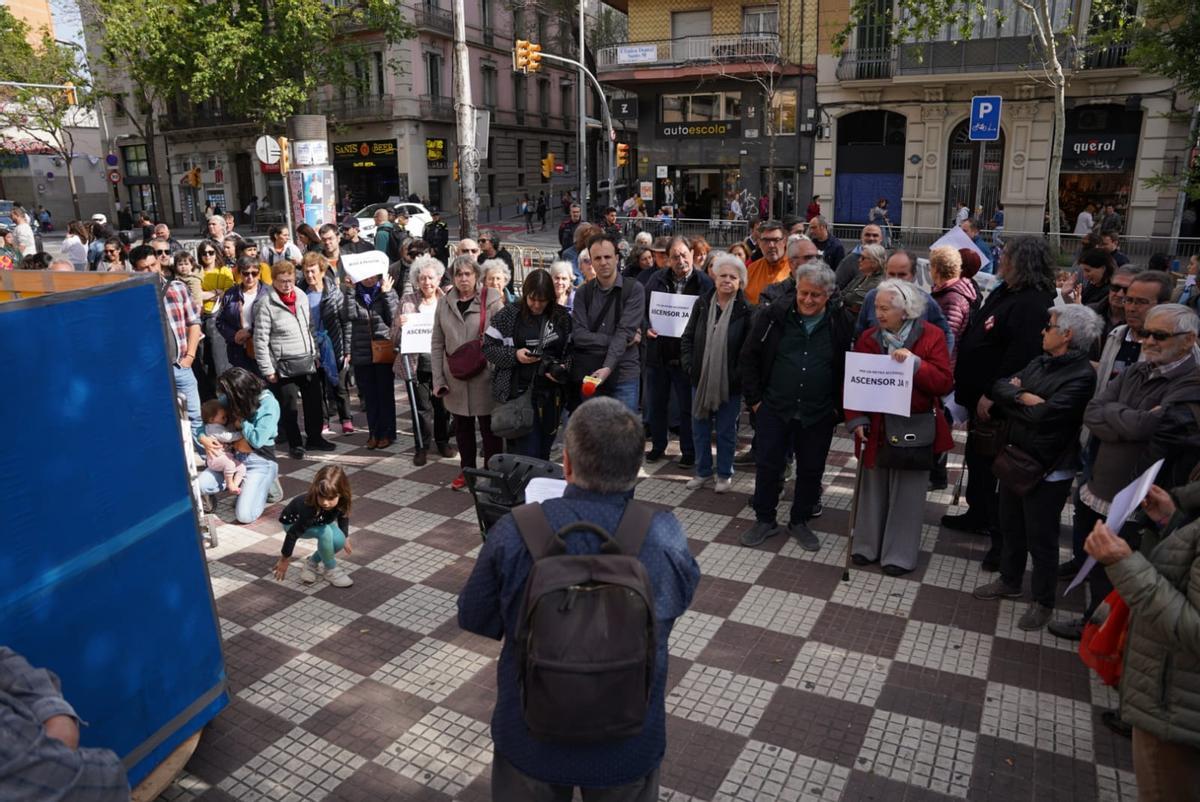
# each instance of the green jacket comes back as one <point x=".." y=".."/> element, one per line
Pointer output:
<point x="1160" y="683"/>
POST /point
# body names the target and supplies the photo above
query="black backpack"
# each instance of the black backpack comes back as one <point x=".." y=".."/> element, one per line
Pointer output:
<point x="587" y="636"/>
<point x="392" y="248"/>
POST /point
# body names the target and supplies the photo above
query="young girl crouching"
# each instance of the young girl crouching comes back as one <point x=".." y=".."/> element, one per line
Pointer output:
<point x="323" y="513"/>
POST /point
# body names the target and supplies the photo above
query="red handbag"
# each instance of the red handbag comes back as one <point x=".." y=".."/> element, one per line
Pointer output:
<point x="1102" y="647"/>
<point x="468" y="360"/>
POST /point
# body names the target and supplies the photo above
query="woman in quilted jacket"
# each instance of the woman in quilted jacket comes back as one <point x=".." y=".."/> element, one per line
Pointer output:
<point x="370" y="309"/>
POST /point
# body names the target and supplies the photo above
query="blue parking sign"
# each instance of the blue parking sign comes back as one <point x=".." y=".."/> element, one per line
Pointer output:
<point x="985" y="118"/>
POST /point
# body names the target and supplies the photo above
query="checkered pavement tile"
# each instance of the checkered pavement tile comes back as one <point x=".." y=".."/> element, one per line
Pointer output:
<point x="785" y="682"/>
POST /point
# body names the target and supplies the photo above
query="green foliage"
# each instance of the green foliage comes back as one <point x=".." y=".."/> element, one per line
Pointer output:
<point x="38" y="110"/>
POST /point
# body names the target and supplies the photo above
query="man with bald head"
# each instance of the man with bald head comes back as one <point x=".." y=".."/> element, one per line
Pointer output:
<point x="847" y="269"/>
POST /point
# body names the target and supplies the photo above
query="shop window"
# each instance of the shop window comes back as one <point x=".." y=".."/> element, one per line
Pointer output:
<point x="704" y="107"/>
<point x="783" y="111"/>
<point x="761" y="20"/>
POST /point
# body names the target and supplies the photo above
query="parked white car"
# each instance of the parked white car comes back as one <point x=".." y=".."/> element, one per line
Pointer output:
<point x="418" y="216"/>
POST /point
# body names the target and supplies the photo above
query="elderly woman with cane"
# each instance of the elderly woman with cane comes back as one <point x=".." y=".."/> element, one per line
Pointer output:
<point x="899" y="450"/>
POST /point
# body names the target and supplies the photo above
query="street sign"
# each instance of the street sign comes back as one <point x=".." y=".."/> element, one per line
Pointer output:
<point x="625" y="108"/>
<point x="560" y="168"/>
<point x="114" y="176"/>
<point x="985" y="118"/>
<point x="266" y="148"/>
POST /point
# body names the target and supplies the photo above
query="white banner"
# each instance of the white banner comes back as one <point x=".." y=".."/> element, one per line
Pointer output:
<point x="637" y="54"/>
<point x="416" y="335"/>
<point x="359" y="266"/>
<point x="957" y="239"/>
<point x="669" y="313"/>
<point x="878" y="383"/>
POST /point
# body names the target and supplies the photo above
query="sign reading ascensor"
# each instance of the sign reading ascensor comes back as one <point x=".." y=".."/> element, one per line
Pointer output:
<point x="717" y="129"/>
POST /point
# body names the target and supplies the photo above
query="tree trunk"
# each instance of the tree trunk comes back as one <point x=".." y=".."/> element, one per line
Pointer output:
<point x="468" y="158"/>
<point x="152" y="165"/>
<point x="74" y="189"/>
<point x="1056" y="149"/>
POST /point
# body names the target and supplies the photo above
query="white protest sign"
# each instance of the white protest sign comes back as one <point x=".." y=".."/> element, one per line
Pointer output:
<point x="669" y="313"/>
<point x="543" y="488"/>
<point x="1123" y="505"/>
<point x="878" y="383"/>
<point x="957" y="239"/>
<point x="416" y="335"/>
<point x="359" y="266"/>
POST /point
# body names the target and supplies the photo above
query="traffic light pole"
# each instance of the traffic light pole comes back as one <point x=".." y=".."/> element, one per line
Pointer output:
<point x="608" y="126"/>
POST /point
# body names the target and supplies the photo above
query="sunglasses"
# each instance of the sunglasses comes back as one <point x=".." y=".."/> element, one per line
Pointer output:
<point x="1159" y="336"/>
<point x="250" y="273"/>
<point x="208" y="253"/>
<point x="108" y="252"/>
<point x="163" y="252"/>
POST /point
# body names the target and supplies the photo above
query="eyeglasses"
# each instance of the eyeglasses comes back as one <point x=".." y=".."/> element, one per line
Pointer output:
<point x="1159" y="336"/>
<point x="1117" y="289"/>
<point x="208" y="253"/>
<point x="1048" y="327"/>
<point x="163" y="252"/>
<point x="770" y="239"/>
<point x="249" y="272"/>
<point x="110" y="252"/>
<point x="483" y="240"/>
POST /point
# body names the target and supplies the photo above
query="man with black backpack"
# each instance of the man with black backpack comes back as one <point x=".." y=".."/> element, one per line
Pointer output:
<point x="584" y="591"/>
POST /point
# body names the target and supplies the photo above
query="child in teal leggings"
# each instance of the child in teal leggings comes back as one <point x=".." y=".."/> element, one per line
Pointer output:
<point x="323" y="514"/>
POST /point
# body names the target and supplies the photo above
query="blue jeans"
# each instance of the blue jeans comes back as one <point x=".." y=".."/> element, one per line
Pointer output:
<point x="625" y="392"/>
<point x="185" y="382"/>
<point x="260" y="475"/>
<point x="727" y="419"/>
<point x="330" y="540"/>
<point x="662" y="382"/>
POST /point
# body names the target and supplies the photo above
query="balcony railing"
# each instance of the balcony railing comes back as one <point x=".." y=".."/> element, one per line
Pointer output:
<point x="868" y="64"/>
<point x="429" y="18"/>
<point x="437" y="107"/>
<point x="356" y="107"/>
<point x="1109" y="57"/>
<point x="732" y="49"/>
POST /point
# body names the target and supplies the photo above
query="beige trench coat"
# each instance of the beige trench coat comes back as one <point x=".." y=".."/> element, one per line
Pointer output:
<point x="450" y="332"/>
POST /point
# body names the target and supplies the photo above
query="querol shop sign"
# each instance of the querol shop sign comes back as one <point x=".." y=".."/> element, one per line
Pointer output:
<point x="717" y="129"/>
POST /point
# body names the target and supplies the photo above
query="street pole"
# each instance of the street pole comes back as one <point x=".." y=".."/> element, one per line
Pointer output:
<point x="582" y="155"/>
<point x="468" y="156"/>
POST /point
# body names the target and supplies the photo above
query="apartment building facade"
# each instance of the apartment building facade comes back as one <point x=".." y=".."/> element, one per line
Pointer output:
<point x="723" y="97"/>
<point x="894" y="119"/>
<point x="392" y="134"/>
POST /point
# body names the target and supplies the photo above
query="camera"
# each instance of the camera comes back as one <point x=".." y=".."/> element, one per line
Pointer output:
<point x="555" y="369"/>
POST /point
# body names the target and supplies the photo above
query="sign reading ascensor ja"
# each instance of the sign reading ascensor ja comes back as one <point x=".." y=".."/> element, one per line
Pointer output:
<point x="717" y="129"/>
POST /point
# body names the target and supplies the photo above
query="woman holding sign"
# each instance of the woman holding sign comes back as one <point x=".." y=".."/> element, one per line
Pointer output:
<point x="422" y="299"/>
<point x="898" y="451"/>
<point x="370" y="309"/>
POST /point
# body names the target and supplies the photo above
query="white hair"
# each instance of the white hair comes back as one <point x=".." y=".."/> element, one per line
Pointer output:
<point x="563" y="267"/>
<point x="912" y="298"/>
<point x="720" y="259"/>
<point x="426" y="263"/>
<point x="490" y="266"/>
<point x="644" y="238"/>
<point x="1083" y="323"/>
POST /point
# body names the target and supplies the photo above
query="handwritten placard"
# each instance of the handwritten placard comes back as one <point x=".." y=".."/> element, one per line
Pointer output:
<point x="359" y="266"/>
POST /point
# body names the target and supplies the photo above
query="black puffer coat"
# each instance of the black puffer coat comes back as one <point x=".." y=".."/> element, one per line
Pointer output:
<point x="695" y="338"/>
<point x="1001" y="339"/>
<point x="364" y="325"/>
<point x="1048" y="432"/>
<point x="333" y="310"/>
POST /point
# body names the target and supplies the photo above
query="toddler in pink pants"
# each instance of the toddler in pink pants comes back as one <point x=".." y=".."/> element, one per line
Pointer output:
<point x="215" y="417"/>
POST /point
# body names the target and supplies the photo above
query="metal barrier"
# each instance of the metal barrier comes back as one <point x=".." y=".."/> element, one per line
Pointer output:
<point x="718" y="233"/>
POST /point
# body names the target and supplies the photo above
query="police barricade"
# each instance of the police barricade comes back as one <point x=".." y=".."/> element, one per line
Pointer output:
<point x="717" y="233"/>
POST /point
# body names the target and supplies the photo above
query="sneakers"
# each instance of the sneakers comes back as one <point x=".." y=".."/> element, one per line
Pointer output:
<point x="347" y="427"/>
<point x="723" y="484"/>
<point x="1070" y="629"/>
<point x="275" y="494"/>
<point x="338" y="577"/>
<point x="817" y="510"/>
<point x="997" y="590"/>
<point x="758" y="533"/>
<point x="325" y="429"/>
<point x="420" y="457"/>
<point x="697" y="482"/>
<point x="1036" y="616"/>
<point x="804" y="536"/>
<point x="459" y="482"/>
<point x="309" y="571"/>
<point x="745" y="458"/>
<point x="789" y="472"/>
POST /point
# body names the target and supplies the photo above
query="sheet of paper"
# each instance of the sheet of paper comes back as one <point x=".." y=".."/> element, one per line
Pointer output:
<point x="543" y="488"/>
<point x="359" y="266"/>
<point x="416" y="335"/>
<point x="957" y="239"/>
<point x="958" y="413"/>
<point x="669" y="313"/>
<point x="1123" y="505"/>
<point x="878" y="383"/>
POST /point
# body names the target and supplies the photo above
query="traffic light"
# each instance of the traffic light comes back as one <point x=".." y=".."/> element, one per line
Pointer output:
<point x="548" y="165"/>
<point x="285" y="159"/>
<point x="72" y="98"/>
<point x="622" y="154"/>
<point x="521" y="56"/>
<point x="456" y="170"/>
<point x="534" y="58"/>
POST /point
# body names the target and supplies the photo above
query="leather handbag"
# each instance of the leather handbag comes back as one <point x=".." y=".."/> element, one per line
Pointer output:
<point x="1017" y="471"/>
<point x="383" y="352"/>
<point x="907" y="442"/>
<point x="987" y="438"/>
<point x="467" y="361"/>
<point x="514" y="418"/>
<point x="290" y="367"/>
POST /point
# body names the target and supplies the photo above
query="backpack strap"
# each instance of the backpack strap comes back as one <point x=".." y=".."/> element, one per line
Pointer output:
<point x="535" y="531"/>
<point x="635" y="523"/>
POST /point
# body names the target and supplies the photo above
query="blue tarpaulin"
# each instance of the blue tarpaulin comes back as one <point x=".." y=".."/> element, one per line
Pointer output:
<point x="858" y="192"/>
<point x="102" y="574"/>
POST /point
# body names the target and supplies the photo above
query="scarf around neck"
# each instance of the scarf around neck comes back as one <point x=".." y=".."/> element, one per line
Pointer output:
<point x="892" y="342"/>
<point x="713" y="387"/>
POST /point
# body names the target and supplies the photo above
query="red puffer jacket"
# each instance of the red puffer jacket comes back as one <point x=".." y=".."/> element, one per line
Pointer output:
<point x="931" y="381"/>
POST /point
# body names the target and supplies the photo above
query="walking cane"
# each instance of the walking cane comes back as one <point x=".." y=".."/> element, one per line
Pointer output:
<point x="410" y="386"/>
<point x="853" y="508"/>
<point x="958" y="486"/>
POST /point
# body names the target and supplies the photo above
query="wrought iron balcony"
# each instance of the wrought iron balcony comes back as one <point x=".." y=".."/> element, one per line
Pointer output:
<point x="437" y="107"/>
<point x="356" y="107"/>
<point x="431" y="18"/>
<point x="690" y="50"/>
<point x="868" y="64"/>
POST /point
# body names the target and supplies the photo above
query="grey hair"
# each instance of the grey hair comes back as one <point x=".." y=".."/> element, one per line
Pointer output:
<point x="466" y="260"/>
<point x="912" y="298"/>
<point x="426" y="262"/>
<point x="1183" y="318"/>
<point x="794" y="241"/>
<point x="719" y="259"/>
<point x="819" y="220"/>
<point x="491" y="266"/>
<point x="605" y="446"/>
<point x="876" y="253"/>
<point x="562" y="266"/>
<point x="1083" y="323"/>
<point x="644" y="238"/>
<point x="59" y="260"/>
<point x="817" y="272"/>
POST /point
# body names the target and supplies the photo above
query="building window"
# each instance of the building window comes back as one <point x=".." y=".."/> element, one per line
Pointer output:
<point x="520" y="162"/>
<point x="119" y="109"/>
<point x="433" y="74"/>
<point x="701" y="107"/>
<point x="519" y="96"/>
<point x="491" y="189"/>
<point x="377" y="58"/>
<point x="518" y="23"/>
<point x="691" y="23"/>
<point x="485" y="20"/>
<point x="783" y="111"/>
<point x="541" y="28"/>
<point x="565" y="96"/>
<point x="136" y="162"/>
<point x="544" y="96"/>
<point x="489" y="87"/>
<point x="761" y="20"/>
<point x="491" y="152"/>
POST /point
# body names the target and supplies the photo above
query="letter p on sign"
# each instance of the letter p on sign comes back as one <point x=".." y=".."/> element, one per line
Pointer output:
<point x="985" y="118"/>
